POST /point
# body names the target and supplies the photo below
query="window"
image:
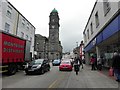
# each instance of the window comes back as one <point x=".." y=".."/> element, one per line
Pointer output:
<point x="97" y="19"/>
<point x="7" y="27"/>
<point x="107" y="8"/>
<point x="85" y="38"/>
<point x="9" y="10"/>
<point x="91" y="26"/>
<point x="88" y="33"/>
<point x="31" y="39"/>
<point x="8" y="14"/>
<point x="26" y="37"/>
<point x="27" y="26"/>
<point x="22" y="34"/>
<point x="23" y="23"/>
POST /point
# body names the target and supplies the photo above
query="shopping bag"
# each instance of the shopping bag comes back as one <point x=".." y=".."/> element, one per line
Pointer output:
<point x="111" y="72"/>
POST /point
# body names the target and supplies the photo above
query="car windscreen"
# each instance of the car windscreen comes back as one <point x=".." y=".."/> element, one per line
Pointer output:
<point x="56" y="61"/>
<point x="35" y="62"/>
<point x="65" y="63"/>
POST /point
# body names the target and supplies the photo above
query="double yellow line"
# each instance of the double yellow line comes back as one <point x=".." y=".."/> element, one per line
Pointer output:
<point x="53" y="84"/>
<point x="56" y="82"/>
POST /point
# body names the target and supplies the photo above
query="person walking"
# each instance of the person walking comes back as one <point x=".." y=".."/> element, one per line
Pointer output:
<point x="116" y="66"/>
<point x="92" y="61"/>
<point x="99" y="63"/>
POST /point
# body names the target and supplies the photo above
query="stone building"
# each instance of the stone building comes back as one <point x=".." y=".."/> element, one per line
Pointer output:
<point x="49" y="47"/>
<point x="41" y="46"/>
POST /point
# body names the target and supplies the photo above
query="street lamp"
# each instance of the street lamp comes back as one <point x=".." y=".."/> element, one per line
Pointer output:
<point x="77" y="44"/>
<point x="37" y="49"/>
<point x="44" y="48"/>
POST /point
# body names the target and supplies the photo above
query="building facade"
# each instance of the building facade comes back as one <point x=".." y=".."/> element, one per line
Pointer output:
<point x="102" y="32"/>
<point x="41" y="46"/>
<point x="12" y="21"/>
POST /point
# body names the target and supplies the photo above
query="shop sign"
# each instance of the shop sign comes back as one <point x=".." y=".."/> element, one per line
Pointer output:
<point x="94" y="41"/>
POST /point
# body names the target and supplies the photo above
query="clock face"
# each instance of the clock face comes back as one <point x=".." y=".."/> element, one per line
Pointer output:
<point x="53" y="20"/>
<point x="53" y="26"/>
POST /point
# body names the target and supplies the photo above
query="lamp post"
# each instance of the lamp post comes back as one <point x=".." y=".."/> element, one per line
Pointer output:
<point x="37" y="49"/>
<point x="76" y="49"/>
<point x="44" y="48"/>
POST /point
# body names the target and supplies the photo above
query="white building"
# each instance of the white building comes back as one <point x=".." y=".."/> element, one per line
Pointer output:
<point x="102" y="32"/>
<point x="12" y="21"/>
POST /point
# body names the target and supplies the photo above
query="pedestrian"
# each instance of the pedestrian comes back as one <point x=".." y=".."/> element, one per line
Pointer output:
<point x="95" y="56"/>
<point x="77" y="63"/>
<point x="82" y="61"/>
<point x="99" y="63"/>
<point x="116" y="65"/>
<point x="92" y="61"/>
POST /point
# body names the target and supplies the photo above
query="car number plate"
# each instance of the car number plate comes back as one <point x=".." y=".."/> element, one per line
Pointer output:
<point x="31" y="70"/>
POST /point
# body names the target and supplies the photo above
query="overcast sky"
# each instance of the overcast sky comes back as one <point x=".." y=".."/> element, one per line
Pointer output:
<point x="73" y="15"/>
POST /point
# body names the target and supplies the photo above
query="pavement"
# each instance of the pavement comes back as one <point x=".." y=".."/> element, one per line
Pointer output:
<point x="92" y="79"/>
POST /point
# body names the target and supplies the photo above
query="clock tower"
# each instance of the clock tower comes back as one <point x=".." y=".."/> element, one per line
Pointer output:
<point x="54" y="27"/>
<point x="54" y="43"/>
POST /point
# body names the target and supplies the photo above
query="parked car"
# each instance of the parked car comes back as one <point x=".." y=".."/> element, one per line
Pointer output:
<point x="65" y="65"/>
<point x="37" y="66"/>
<point x="56" y="62"/>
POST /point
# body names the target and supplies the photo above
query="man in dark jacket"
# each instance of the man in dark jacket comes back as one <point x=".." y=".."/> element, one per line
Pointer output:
<point x="77" y="63"/>
<point x="116" y="65"/>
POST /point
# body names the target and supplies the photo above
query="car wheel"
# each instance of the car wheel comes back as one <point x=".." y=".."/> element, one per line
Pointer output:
<point x="42" y="71"/>
<point x="49" y="69"/>
<point x="27" y="73"/>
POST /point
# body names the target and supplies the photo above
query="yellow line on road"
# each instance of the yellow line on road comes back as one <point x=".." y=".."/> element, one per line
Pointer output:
<point x="53" y="84"/>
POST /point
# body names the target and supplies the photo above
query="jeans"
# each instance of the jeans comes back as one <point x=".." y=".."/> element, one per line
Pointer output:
<point x="117" y="73"/>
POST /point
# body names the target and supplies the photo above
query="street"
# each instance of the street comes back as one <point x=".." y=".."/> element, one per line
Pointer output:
<point x="60" y="79"/>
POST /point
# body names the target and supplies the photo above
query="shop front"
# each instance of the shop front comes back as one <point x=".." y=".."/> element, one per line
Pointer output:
<point x="105" y="43"/>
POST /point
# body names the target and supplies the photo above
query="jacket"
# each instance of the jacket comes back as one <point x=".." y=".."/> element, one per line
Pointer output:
<point x="116" y="61"/>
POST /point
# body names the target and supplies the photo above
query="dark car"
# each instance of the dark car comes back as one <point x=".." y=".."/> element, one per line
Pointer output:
<point x="38" y="66"/>
<point x="56" y="62"/>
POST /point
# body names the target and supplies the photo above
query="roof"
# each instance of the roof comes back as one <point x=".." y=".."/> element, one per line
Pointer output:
<point x="54" y="10"/>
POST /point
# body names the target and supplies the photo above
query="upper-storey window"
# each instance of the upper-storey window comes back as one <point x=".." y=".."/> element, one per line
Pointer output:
<point x="23" y="23"/>
<point x="107" y="7"/>
<point x="26" y="37"/>
<point x="91" y="27"/>
<point x="85" y="38"/>
<point x="9" y="12"/>
<point x="97" y="19"/>
<point x="7" y="27"/>
<point x="88" y="33"/>
<point x="27" y="26"/>
<point x="22" y="34"/>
